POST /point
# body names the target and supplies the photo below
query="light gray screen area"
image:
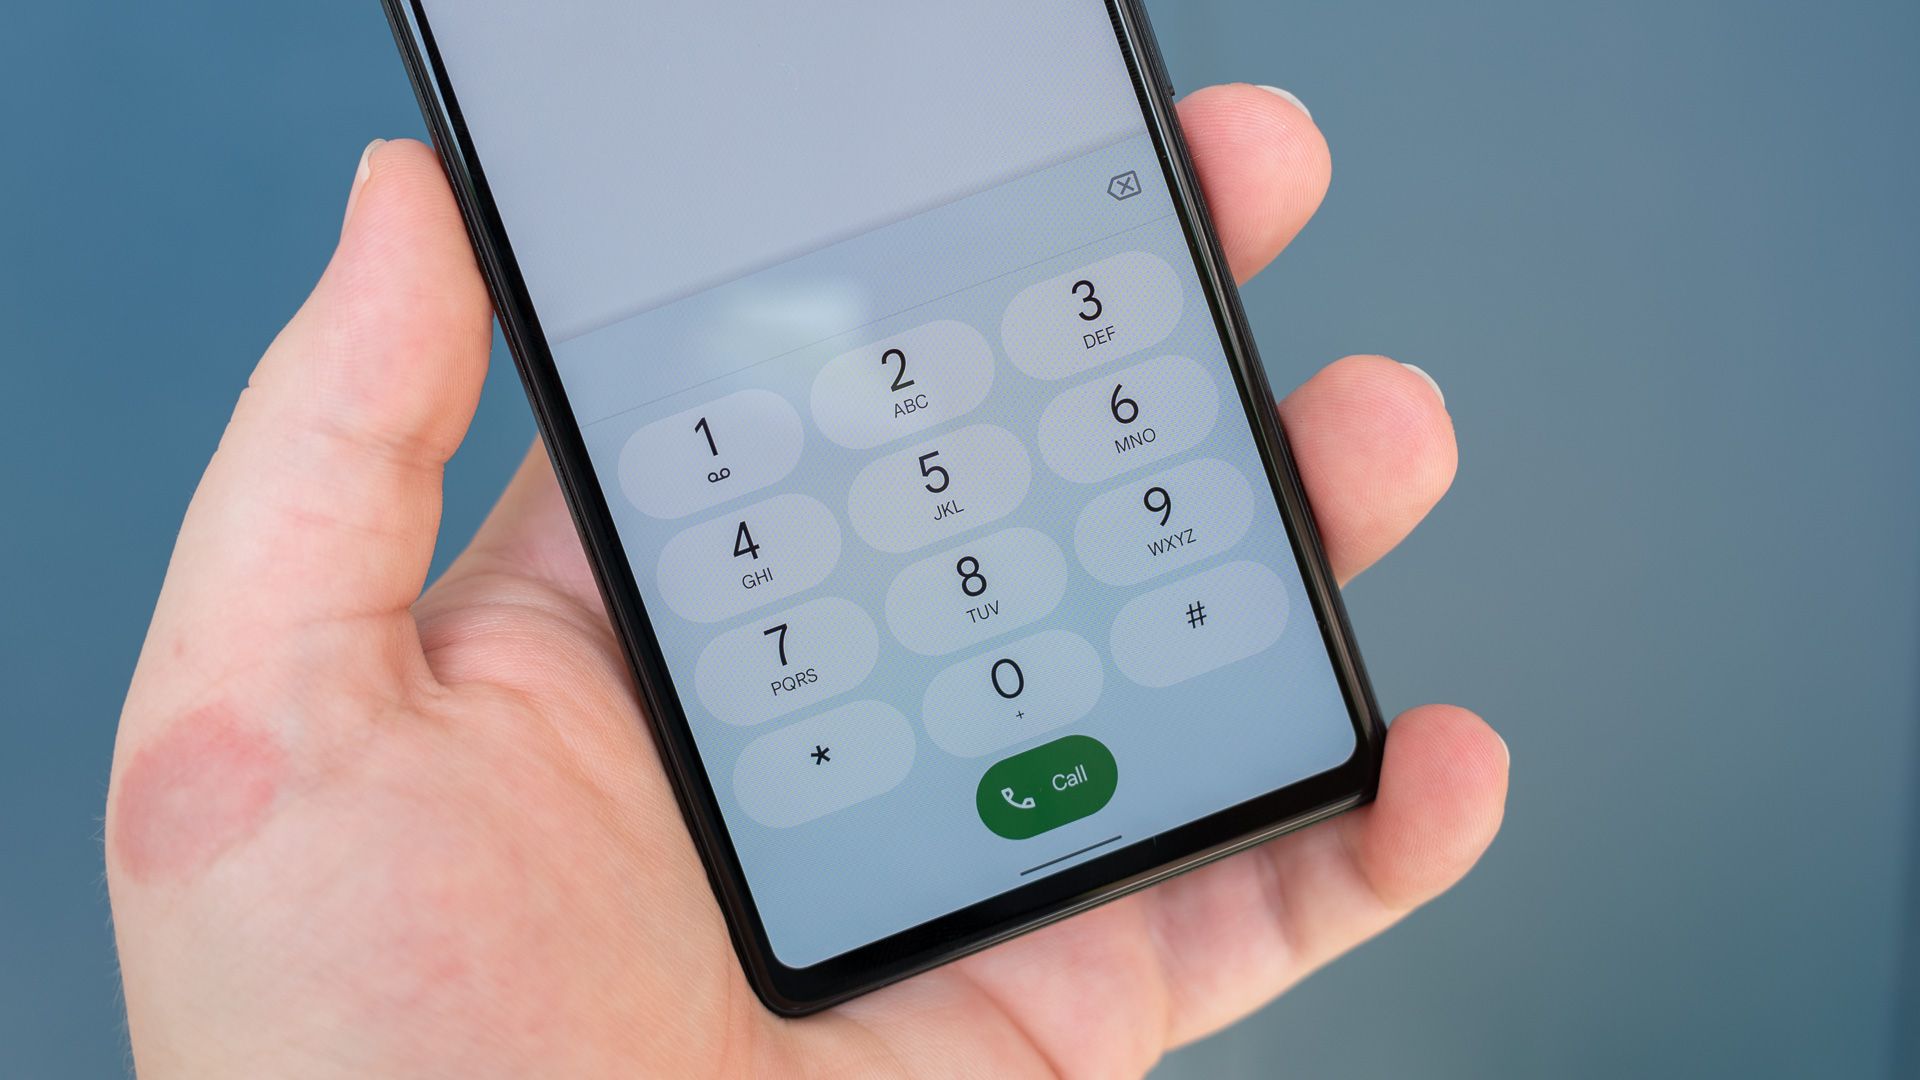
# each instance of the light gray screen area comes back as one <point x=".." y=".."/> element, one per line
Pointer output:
<point x="640" y="152"/>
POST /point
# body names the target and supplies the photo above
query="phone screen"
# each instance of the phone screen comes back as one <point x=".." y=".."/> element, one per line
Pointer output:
<point x="898" y="378"/>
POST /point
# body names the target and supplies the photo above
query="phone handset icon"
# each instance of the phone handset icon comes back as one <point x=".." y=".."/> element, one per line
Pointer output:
<point x="1018" y="804"/>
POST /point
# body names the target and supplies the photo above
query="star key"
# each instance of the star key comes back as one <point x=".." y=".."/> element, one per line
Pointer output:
<point x="820" y="754"/>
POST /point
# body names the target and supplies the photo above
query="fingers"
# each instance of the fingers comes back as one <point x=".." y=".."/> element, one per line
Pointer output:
<point x="322" y="502"/>
<point x="1442" y="796"/>
<point x="1375" y="449"/>
<point x="1235" y="934"/>
<point x="1372" y="438"/>
<point x="1263" y="165"/>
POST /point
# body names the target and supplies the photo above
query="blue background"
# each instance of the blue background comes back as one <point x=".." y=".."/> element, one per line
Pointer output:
<point x="1662" y="257"/>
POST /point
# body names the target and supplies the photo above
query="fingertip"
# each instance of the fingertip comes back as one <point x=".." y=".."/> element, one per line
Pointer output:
<point x="1265" y="122"/>
<point x="1409" y="416"/>
<point x="400" y="187"/>
<point x="1442" y="798"/>
<point x="1289" y="97"/>
<point x="1453" y="745"/>
<point x="362" y="171"/>
<point x="395" y="337"/>
<point x="1263" y="164"/>
<point x="1376" y="450"/>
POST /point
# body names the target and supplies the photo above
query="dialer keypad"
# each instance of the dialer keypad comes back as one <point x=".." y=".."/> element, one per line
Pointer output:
<point x="1092" y="316"/>
<point x="787" y="660"/>
<point x="872" y="395"/>
<point x="1126" y="420"/>
<point x="946" y="571"/>
<point x="749" y="558"/>
<point x="712" y="454"/>
<point x="940" y="488"/>
<point x="1214" y="618"/>
<point x="1160" y="523"/>
<point x="976" y="591"/>
<point x="829" y="762"/>
<point x="1012" y="693"/>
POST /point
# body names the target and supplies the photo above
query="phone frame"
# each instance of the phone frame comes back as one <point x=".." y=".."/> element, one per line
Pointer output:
<point x="798" y="991"/>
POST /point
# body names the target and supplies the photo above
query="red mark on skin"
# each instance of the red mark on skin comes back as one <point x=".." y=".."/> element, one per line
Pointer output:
<point x="204" y="784"/>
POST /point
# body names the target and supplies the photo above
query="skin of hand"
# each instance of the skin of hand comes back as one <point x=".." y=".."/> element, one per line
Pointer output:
<point x="355" y="829"/>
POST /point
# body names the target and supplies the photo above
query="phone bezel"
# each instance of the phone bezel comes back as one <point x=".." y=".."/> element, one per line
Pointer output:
<point x="797" y="991"/>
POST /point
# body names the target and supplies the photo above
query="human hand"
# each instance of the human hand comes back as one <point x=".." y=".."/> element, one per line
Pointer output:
<point x="358" y="830"/>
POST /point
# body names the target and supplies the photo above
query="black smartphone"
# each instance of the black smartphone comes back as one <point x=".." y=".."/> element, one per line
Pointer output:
<point x="906" y="407"/>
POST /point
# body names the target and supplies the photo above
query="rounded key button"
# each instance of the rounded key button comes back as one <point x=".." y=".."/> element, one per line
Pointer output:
<point x="829" y="762"/>
<point x="1199" y="624"/>
<point x="906" y="383"/>
<point x="1012" y="693"/>
<point x="1096" y="314"/>
<point x="787" y="661"/>
<point x="1156" y="525"/>
<point x="1127" y="419"/>
<point x="1047" y="787"/>
<point x="939" y="488"/>
<point x="976" y="591"/>
<point x="749" y="558"/>
<point x="705" y="456"/>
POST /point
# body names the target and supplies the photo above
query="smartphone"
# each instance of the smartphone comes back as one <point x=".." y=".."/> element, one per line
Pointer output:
<point x="912" y="425"/>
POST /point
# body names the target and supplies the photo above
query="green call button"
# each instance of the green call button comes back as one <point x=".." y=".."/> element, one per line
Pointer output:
<point x="1046" y="787"/>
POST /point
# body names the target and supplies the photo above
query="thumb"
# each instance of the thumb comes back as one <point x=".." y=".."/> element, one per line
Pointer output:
<point x="320" y="507"/>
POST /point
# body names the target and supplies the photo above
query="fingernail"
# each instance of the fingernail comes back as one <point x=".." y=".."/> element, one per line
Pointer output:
<point x="1436" y="386"/>
<point x="1504" y="749"/>
<point x="361" y="172"/>
<point x="1297" y="103"/>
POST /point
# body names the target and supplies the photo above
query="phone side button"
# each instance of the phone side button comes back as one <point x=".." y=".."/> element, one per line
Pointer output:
<point x="1046" y="787"/>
